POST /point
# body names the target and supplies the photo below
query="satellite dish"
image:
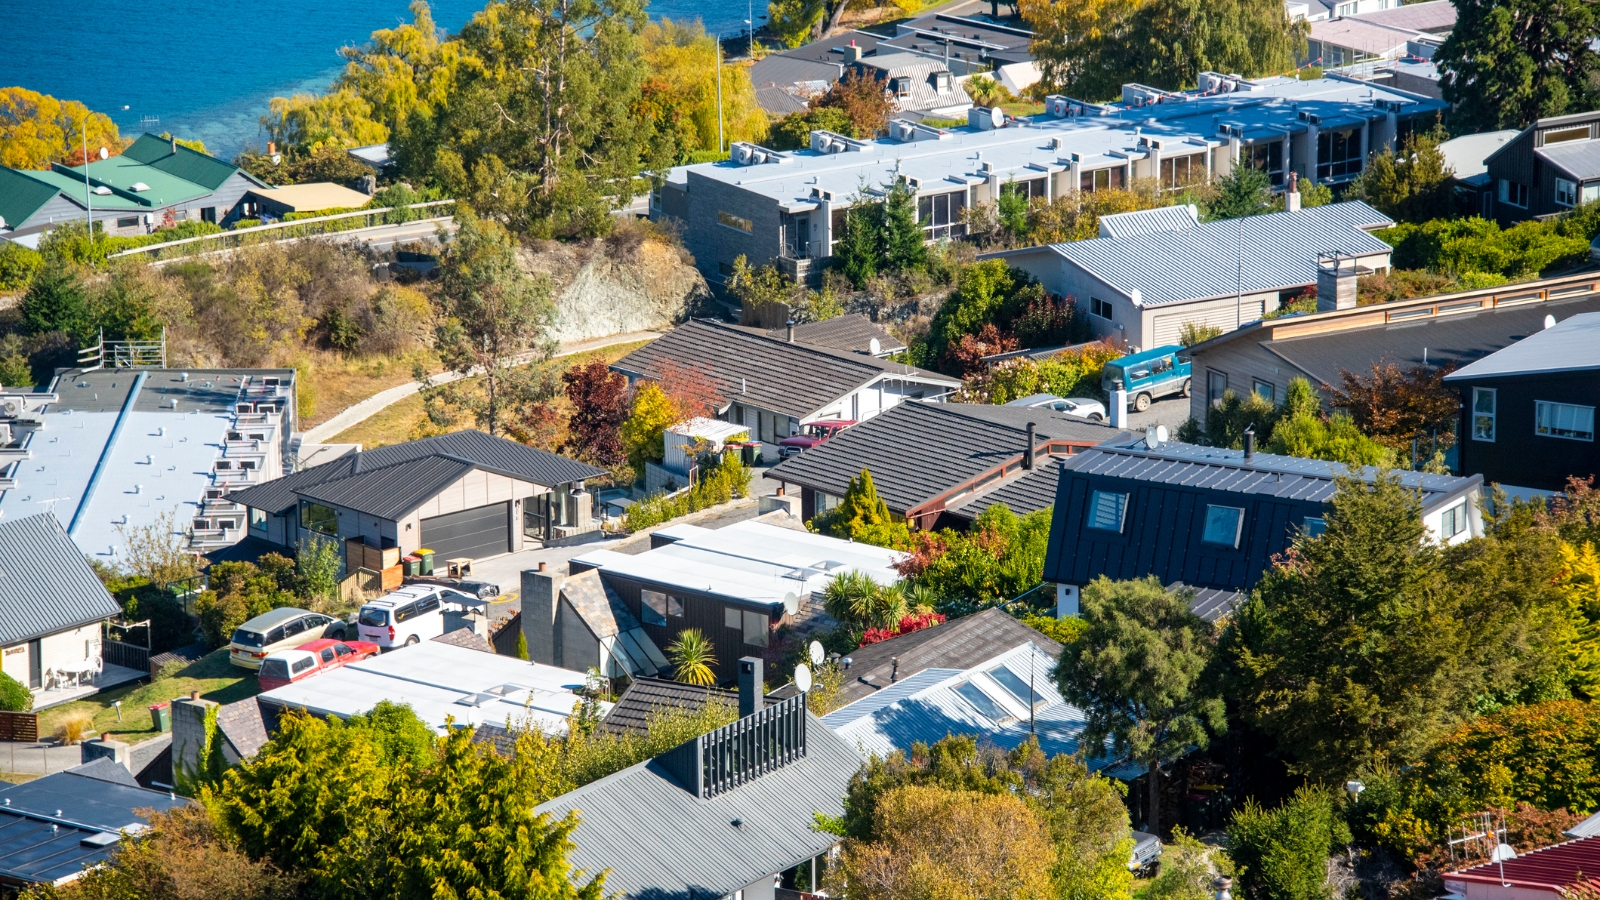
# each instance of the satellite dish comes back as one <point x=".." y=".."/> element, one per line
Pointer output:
<point x="1161" y="434"/>
<point x="1502" y="853"/>
<point x="2" y="222"/>
<point x="816" y="653"/>
<point x="1549" y="321"/>
<point x="791" y="603"/>
<point x="1151" y="438"/>
<point x="874" y="346"/>
<point x="104" y="154"/>
<point x="802" y="678"/>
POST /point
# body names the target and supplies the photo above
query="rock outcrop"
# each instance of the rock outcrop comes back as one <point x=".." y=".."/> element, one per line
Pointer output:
<point x="617" y="285"/>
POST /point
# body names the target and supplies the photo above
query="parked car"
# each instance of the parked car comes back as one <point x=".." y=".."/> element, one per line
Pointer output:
<point x="1080" y="407"/>
<point x="1146" y="853"/>
<point x="811" y="435"/>
<point x="280" y="629"/>
<point x="1151" y="375"/>
<point x="288" y="666"/>
<point x="412" y="614"/>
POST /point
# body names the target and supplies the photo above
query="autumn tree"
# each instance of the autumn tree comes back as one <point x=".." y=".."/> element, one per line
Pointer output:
<point x="1137" y="674"/>
<point x="763" y="293"/>
<point x="681" y="92"/>
<point x="494" y="311"/>
<point x="599" y="400"/>
<point x="652" y="412"/>
<point x="693" y="389"/>
<point x="306" y="123"/>
<point x="37" y="130"/>
<point x="404" y="69"/>
<point x="862" y="99"/>
<point x="1395" y="405"/>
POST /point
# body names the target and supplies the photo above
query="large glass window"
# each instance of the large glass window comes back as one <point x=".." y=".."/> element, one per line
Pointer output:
<point x="1103" y="179"/>
<point x="1268" y="157"/>
<point x="1562" y="135"/>
<point x="1016" y="686"/>
<point x="258" y="519"/>
<point x="1177" y="171"/>
<point x="985" y="704"/>
<point x="1566" y="192"/>
<point x="737" y="223"/>
<point x="319" y="518"/>
<point x="653" y="607"/>
<point x="940" y="215"/>
<point x="756" y="632"/>
<point x="1563" y="420"/>
<point x="1483" y="402"/>
<point x="1106" y="510"/>
<point x="1223" y="525"/>
<point x="1339" y="153"/>
<point x="1216" y="386"/>
<point x="1513" y="193"/>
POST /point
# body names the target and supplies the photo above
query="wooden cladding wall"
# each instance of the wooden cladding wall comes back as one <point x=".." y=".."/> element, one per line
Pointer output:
<point x="19" y="726"/>
<point x="701" y="612"/>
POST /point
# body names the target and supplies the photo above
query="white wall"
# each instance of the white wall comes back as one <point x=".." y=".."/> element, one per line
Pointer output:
<point x="1433" y="521"/>
<point x="64" y="648"/>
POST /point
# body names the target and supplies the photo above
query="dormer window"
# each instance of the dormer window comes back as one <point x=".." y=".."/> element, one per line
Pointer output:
<point x="1223" y="526"/>
<point x="942" y="82"/>
<point x="1106" y="510"/>
<point x="902" y="87"/>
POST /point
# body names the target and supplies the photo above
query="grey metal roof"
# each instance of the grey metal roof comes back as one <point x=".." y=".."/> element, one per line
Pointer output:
<point x="632" y="712"/>
<point x="920" y="73"/>
<point x="660" y="842"/>
<point x="53" y="827"/>
<point x="917" y="451"/>
<point x="1162" y="219"/>
<point x="46" y="584"/>
<point x="1022" y="494"/>
<point x="495" y="454"/>
<point x="770" y="373"/>
<point x="1280" y="251"/>
<point x="1580" y="159"/>
<point x="957" y="644"/>
<point x="1569" y="346"/>
<point x="392" y="491"/>
<point x="852" y="333"/>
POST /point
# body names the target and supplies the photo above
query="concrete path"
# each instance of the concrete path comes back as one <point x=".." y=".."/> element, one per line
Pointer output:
<point x="40" y="758"/>
<point x="366" y="409"/>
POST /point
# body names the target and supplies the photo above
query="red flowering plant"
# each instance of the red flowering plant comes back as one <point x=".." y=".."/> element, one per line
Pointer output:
<point x="906" y="625"/>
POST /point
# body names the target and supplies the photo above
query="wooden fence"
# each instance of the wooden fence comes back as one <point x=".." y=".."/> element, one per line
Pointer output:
<point x="19" y="726"/>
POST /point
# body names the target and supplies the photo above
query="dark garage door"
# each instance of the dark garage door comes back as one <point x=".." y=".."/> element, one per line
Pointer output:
<point x="476" y="533"/>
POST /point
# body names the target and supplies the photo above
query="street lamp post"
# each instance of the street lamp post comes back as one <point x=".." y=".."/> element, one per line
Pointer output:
<point x="719" y="92"/>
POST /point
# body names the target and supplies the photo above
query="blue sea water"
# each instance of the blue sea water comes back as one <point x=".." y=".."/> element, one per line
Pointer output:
<point x="206" y="68"/>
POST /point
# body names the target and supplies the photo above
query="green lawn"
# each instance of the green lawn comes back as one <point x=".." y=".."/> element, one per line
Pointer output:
<point x="212" y="675"/>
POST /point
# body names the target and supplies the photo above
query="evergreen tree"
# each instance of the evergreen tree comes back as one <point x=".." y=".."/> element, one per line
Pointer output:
<point x="903" y="247"/>
<point x="861" y="507"/>
<point x="1244" y="191"/>
<point x="1414" y="185"/>
<point x="1282" y="854"/>
<point x="860" y="245"/>
<point x="1509" y="62"/>
<point x="56" y="301"/>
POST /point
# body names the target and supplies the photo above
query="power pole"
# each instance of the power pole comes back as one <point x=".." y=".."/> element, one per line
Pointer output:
<point x="719" y="93"/>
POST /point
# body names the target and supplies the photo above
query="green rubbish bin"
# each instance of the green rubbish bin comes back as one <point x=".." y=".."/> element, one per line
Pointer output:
<point x="161" y="714"/>
<point x="426" y="556"/>
<point x="413" y="564"/>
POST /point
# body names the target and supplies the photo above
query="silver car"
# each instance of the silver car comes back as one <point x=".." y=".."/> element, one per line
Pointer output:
<point x="1079" y="407"/>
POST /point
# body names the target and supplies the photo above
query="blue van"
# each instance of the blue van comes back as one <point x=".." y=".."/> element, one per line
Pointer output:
<point x="1149" y="375"/>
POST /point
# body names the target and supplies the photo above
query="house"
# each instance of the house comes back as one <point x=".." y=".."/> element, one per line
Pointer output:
<point x="938" y="464"/>
<point x="306" y="198"/>
<point x="683" y="445"/>
<point x="55" y="828"/>
<point x="52" y="611"/>
<point x="462" y="494"/>
<point x="1264" y="356"/>
<point x="1412" y="31"/>
<point x="1527" y="411"/>
<point x="154" y="183"/>
<point x="581" y="623"/>
<point x="1408" y="73"/>
<point x="1321" y="10"/>
<point x="112" y="450"/>
<point x="962" y="643"/>
<point x="851" y="333"/>
<point x="1552" y="166"/>
<point x="787" y="208"/>
<point x="1466" y="158"/>
<point x="737" y="585"/>
<point x="1142" y="289"/>
<point x="916" y="83"/>
<point x="1207" y="518"/>
<point x="1550" y="873"/>
<point x="774" y="386"/>
<point x="722" y="816"/>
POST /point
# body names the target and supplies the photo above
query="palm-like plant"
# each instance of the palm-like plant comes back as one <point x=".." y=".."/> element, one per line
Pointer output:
<point x="692" y="659"/>
<point x="854" y="598"/>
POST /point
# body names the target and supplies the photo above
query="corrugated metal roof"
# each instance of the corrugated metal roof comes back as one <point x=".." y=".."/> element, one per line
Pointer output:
<point x="660" y="842"/>
<point x="182" y="162"/>
<point x="1570" y="868"/>
<point x="1580" y="159"/>
<point x="957" y="644"/>
<point x="392" y="491"/>
<point x="1280" y="251"/>
<point x="1589" y="827"/>
<point x="770" y="373"/>
<point x="1162" y="219"/>
<point x="1569" y="346"/>
<point x="46" y="585"/>
<point x="44" y="823"/>
<point x="21" y="195"/>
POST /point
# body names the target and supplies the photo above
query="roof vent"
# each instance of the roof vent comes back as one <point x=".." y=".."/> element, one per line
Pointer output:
<point x="139" y="186"/>
<point x="102" y="191"/>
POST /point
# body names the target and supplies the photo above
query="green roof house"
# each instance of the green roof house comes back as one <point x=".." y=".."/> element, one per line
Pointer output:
<point x="129" y="194"/>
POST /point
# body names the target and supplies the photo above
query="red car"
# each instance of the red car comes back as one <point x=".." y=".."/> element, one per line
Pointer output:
<point x="811" y="435"/>
<point x="288" y="666"/>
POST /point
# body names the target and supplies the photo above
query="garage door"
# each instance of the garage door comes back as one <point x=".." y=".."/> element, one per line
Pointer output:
<point x="476" y="533"/>
<point x="1168" y="328"/>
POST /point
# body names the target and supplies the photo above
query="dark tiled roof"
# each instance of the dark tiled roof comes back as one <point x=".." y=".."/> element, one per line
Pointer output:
<point x="1023" y="493"/>
<point x="46" y="584"/>
<point x="852" y="334"/>
<point x="495" y="454"/>
<point x="772" y="374"/>
<point x="957" y="644"/>
<point x="497" y="737"/>
<point x="392" y="491"/>
<point x="631" y="714"/>
<point x="242" y="724"/>
<point x="917" y="451"/>
<point x="466" y="639"/>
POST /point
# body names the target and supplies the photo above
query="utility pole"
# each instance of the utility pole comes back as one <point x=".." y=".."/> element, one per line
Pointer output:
<point x="719" y="93"/>
<point x="750" y="23"/>
<point x="88" y="195"/>
<point x="1238" y="296"/>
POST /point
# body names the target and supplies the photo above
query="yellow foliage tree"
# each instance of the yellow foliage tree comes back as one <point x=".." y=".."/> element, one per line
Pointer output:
<point x="306" y="123"/>
<point x="1580" y="585"/>
<point x="653" y="411"/>
<point x="37" y="130"/>
<point x="682" y="88"/>
<point x="403" y="69"/>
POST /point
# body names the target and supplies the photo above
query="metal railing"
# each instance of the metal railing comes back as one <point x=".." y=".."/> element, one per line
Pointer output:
<point x="280" y="231"/>
<point x="124" y="354"/>
<point x="759" y="743"/>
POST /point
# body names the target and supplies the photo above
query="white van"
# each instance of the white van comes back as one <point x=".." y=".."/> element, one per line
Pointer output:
<point x="412" y="614"/>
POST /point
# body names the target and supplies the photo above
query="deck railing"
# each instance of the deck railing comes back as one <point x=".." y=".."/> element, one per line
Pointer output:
<point x="280" y="231"/>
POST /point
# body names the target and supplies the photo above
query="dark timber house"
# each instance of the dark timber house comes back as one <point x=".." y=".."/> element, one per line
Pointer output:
<point x="1551" y="167"/>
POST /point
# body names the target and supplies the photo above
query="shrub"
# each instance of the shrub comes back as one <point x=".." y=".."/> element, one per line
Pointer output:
<point x="18" y="264"/>
<point x="74" y="727"/>
<point x="1282" y="853"/>
<point x="854" y="598"/>
<point x="728" y="480"/>
<point x="13" y="696"/>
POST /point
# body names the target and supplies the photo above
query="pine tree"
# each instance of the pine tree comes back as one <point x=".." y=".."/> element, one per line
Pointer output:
<point x="860" y="243"/>
<point x="903" y="248"/>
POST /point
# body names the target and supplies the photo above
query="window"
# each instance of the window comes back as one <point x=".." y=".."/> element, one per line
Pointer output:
<point x="1483" y="401"/>
<point x="344" y="650"/>
<point x="940" y="215"/>
<point x="298" y="626"/>
<point x="1453" y="521"/>
<point x="984" y="703"/>
<point x="275" y="635"/>
<point x="1339" y="153"/>
<point x="303" y="664"/>
<point x="653" y="607"/>
<point x="1267" y="157"/>
<point x="1106" y="511"/>
<point x="827" y="502"/>
<point x="941" y="80"/>
<point x="405" y="613"/>
<point x="428" y="604"/>
<point x="1223" y="525"/>
<point x="756" y="631"/>
<point x="1017" y="687"/>
<point x="327" y="654"/>
<point x="319" y="518"/>
<point x="735" y="222"/>
<point x="1562" y="135"/>
<point x="1265" y="390"/>
<point x="1591" y="192"/>
<point x="1103" y="179"/>
<point x="258" y="519"/>
<point x="1513" y="194"/>
<point x="1177" y="171"/>
<point x="1566" y="192"/>
<point x="128" y="222"/>
<point x="1315" y="527"/>
<point x="209" y="214"/>
<point x="1563" y="420"/>
<point x="1216" y="386"/>
<point x="1101" y="308"/>
<point x="674" y="606"/>
<point x="902" y="87"/>
<point x="731" y="617"/>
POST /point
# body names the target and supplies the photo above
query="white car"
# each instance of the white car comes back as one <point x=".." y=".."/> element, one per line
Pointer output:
<point x="412" y="614"/>
<point x="1078" y="407"/>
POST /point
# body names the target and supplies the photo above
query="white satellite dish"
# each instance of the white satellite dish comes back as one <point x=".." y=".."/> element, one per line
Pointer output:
<point x="791" y="603"/>
<point x="104" y="154"/>
<point x="1549" y="321"/>
<point x="816" y="653"/>
<point x="1502" y="853"/>
<point x="1161" y="434"/>
<point x="1151" y="439"/>
<point x="874" y="347"/>
<point x="802" y="678"/>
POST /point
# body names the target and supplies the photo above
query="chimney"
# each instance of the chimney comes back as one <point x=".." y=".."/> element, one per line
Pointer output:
<point x="852" y="53"/>
<point x="1027" y="452"/>
<point x="174" y="145"/>
<point x="752" y="686"/>
<point x="1337" y="281"/>
<point x="540" y="604"/>
<point x="1250" y="442"/>
<point x="1291" y="197"/>
<point x="1119" y="405"/>
<point x="791" y="331"/>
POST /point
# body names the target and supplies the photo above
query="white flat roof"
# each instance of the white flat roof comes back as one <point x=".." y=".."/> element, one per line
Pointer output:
<point x="439" y="682"/>
<point x="747" y="561"/>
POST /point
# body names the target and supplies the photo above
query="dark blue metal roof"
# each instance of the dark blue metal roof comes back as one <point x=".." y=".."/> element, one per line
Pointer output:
<point x="53" y="827"/>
